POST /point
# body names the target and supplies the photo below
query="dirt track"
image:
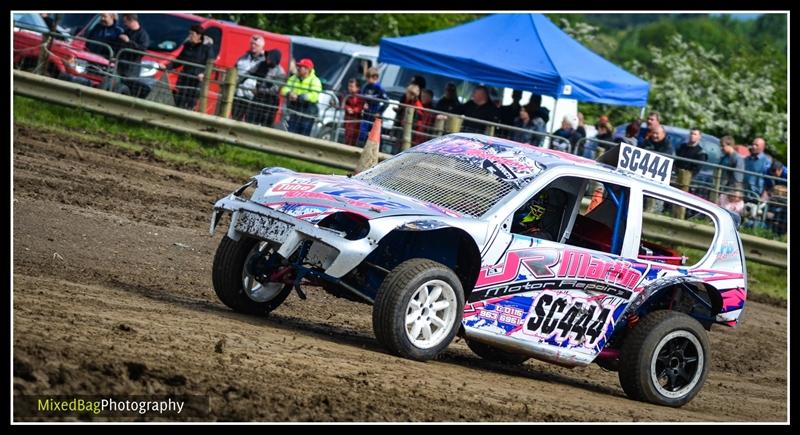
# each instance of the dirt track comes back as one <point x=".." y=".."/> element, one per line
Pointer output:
<point x="112" y="295"/>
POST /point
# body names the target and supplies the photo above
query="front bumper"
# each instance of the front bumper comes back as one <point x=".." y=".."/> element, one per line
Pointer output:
<point x="330" y="250"/>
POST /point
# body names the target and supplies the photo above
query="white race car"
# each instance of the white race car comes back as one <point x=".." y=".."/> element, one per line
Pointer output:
<point x="497" y="241"/>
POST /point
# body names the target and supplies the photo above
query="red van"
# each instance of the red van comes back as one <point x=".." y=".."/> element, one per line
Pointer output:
<point x="168" y="32"/>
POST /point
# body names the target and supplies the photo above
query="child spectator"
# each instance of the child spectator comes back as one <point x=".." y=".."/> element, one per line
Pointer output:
<point x="353" y="106"/>
<point x="732" y="200"/>
<point x="372" y="108"/>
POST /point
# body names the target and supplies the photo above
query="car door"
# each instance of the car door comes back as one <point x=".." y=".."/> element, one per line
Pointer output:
<point x="564" y="295"/>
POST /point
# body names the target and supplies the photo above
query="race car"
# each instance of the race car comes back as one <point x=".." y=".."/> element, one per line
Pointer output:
<point x="526" y="252"/>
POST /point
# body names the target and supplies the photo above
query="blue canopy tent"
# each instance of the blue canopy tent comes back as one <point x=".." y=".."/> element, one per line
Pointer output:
<point x="519" y="51"/>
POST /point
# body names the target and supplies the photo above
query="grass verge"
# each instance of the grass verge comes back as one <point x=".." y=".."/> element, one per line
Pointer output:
<point x="168" y="145"/>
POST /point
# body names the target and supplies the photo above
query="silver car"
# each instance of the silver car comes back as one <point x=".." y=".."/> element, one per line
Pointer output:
<point x="524" y="251"/>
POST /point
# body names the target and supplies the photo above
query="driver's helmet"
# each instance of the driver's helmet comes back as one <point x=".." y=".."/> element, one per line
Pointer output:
<point x="536" y="208"/>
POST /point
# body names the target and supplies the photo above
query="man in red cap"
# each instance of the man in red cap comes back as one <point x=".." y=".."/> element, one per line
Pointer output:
<point x="302" y="93"/>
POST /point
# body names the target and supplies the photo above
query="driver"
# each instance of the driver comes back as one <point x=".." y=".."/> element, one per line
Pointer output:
<point x="542" y="214"/>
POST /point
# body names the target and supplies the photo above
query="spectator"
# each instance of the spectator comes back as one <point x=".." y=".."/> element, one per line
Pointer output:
<point x="653" y="122"/>
<point x="479" y="107"/>
<point x="353" y="106"/>
<point x="776" y="169"/>
<point x="400" y="114"/>
<point x="732" y="200"/>
<point x="755" y="162"/>
<point x="657" y="141"/>
<point x="777" y="194"/>
<point x="419" y="81"/>
<point x="265" y="101"/>
<point x="525" y="121"/>
<point x="581" y="128"/>
<point x="691" y="149"/>
<point x="196" y="52"/>
<point x="732" y="160"/>
<point x="129" y="63"/>
<point x="569" y="132"/>
<point x="510" y="112"/>
<point x="425" y="119"/>
<point x="302" y="90"/>
<point x="631" y="133"/>
<point x="372" y="108"/>
<point x="604" y="132"/>
<point x="541" y="115"/>
<point x="246" y="67"/>
<point x="71" y="73"/>
<point x="411" y="98"/>
<point x="108" y="32"/>
<point x="449" y="102"/>
<point x="49" y="21"/>
<point x="761" y="144"/>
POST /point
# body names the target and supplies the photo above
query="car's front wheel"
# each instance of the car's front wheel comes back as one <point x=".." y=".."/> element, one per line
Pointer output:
<point x="418" y="309"/>
<point x="234" y="279"/>
<point x="665" y="359"/>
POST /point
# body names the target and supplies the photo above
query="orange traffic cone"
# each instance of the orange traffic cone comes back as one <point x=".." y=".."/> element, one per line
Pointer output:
<point x="369" y="155"/>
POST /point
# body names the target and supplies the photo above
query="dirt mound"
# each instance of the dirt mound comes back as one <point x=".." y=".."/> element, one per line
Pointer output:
<point x="112" y="296"/>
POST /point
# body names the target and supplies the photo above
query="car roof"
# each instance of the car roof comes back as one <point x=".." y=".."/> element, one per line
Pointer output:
<point x="337" y="46"/>
<point x="546" y="157"/>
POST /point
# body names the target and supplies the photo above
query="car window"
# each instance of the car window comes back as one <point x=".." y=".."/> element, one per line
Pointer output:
<point x="578" y="212"/>
<point x="602" y="218"/>
<point x="73" y="23"/>
<point x="327" y="64"/>
<point x="357" y="68"/>
<point x="657" y="243"/>
<point x="215" y="33"/>
<point x="167" y="32"/>
<point x="33" y="21"/>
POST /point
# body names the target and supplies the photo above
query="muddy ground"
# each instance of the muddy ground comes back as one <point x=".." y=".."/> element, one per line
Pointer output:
<point x="112" y="295"/>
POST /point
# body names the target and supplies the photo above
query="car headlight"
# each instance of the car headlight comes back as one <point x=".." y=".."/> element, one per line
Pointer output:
<point x="80" y="66"/>
<point x="149" y="68"/>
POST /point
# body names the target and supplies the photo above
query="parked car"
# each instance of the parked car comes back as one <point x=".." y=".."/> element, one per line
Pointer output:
<point x="168" y="32"/>
<point x="29" y="31"/>
<point x="439" y="240"/>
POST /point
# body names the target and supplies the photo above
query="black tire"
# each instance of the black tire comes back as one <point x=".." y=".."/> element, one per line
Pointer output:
<point x="491" y="353"/>
<point x="229" y="264"/>
<point x="688" y="367"/>
<point x="611" y="365"/>
<point x="392" y="303"/>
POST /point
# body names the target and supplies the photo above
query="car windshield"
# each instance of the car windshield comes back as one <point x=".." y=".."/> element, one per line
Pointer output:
<point x="73" y="23"/>
<point x="327" y="64"/>
<point x="31" y="22"/>
<point x="167" y="32"/>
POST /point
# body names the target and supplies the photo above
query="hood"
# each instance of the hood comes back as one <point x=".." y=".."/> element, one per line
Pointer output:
<point x="313" y="197"/>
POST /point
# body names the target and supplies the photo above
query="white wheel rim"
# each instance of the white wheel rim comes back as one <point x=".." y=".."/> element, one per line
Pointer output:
<point x="430" y="314"/>
<point x="657" y="371"/>
<point x="254" y="289"/>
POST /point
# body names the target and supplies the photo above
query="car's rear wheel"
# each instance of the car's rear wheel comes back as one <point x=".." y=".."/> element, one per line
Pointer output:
<point x="418" y="309"/>
<point x="665" y="359"/>
<point x="492" y="353"/>
<point x="235" y="283"/>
